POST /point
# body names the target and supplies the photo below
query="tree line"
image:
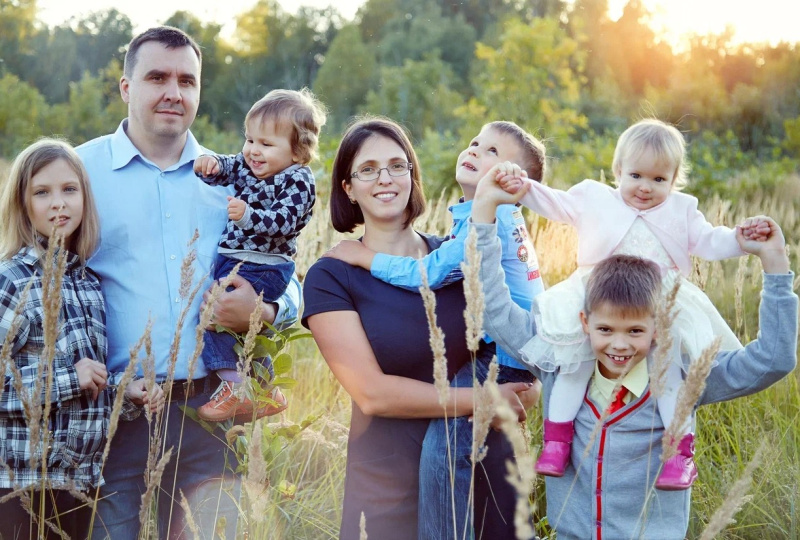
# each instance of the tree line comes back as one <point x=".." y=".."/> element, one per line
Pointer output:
<point x="564" y="71"/>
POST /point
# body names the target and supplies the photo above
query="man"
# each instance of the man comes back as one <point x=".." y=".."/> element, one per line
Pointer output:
<point x="150" y="204"/>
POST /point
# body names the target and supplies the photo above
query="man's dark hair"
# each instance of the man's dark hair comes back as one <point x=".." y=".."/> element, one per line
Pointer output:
<point x="168" y="36"/>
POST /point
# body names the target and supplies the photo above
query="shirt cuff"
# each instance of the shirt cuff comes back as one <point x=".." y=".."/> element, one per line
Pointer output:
<point x="381" y="264"/>
<point x="289" y="303"/>
<point x="245" y="222"/>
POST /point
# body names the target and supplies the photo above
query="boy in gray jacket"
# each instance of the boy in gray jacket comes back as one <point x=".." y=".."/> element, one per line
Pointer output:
<point x="607" y="491"/>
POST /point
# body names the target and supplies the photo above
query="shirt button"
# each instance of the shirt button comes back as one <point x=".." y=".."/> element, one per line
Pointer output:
<point x="172" y="257"/>
<point x="178" y="300"/>
<point x="168" y="215"/>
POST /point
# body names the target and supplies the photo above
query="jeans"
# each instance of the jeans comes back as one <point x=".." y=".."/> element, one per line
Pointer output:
<point x="201" y="467"/>
<point x="444" y="510"/>
<point x="269" y="279"/>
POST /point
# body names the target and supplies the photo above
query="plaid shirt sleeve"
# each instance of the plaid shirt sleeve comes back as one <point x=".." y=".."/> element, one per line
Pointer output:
<point x="295" y="195"/>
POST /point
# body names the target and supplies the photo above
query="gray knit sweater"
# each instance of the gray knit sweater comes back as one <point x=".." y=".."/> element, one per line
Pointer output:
<point x="609" y="493"/>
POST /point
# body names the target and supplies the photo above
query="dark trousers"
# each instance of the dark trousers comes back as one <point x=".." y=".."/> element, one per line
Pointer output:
<point x="61" y="509"/>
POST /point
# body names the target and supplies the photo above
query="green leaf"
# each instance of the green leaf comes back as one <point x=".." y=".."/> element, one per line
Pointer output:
<point x="284" y="382"/>
<point x="282" y="364"/>
<point x="192" y="413"/>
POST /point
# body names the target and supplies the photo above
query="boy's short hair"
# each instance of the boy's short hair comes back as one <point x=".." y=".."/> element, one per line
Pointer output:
<point x="629" y="284"/>
<point x="345" y="215"/>
<point x="663" y="139"/>
<point x="533" y="151"/>
<point x="169" y="36"/>
<point x="298" y="109"/>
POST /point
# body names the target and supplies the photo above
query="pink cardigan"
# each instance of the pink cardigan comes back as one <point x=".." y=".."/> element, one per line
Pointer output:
<point x="602" y="219"/>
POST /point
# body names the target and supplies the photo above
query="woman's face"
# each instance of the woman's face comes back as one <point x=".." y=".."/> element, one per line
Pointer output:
<point x="385" y="198"/>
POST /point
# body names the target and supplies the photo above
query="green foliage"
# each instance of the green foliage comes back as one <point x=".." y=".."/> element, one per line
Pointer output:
<point x="345" y="76"/>
<point x="19" y="125"/>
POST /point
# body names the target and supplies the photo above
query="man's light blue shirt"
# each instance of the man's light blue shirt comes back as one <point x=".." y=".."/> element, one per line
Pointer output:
<point x="147" y="218"/>
<point x="519" y="262"/>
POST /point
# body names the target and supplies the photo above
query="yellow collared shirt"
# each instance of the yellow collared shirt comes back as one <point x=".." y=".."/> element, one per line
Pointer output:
<point x="601" y="388"/>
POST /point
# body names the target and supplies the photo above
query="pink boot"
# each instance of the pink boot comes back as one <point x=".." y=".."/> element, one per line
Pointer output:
<point x="679" y="471"/>
<point x="557" y="448"/>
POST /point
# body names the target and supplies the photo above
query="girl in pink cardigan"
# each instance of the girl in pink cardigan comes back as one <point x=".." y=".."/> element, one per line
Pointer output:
<point x="648" y="217"/>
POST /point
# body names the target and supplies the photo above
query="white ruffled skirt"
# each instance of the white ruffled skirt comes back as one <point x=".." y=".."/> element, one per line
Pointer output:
<point x="560" y="342"/>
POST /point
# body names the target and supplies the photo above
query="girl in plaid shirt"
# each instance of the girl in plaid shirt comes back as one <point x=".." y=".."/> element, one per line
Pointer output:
<point x="47" y="195"/>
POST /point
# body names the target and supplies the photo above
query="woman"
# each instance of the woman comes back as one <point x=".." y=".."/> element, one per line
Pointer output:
<point x="374" y="337"/>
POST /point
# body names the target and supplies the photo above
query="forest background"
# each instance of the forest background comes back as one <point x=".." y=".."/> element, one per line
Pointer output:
<point x="564" y="71"/>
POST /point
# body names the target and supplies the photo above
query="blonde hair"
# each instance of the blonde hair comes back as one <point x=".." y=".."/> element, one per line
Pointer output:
<point x="300" y="110"/>
<point x="16" y="228"/>
<point x="661" y="138"/>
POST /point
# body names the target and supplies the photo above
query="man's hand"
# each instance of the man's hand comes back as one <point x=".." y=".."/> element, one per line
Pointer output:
<point x="92" y="375"/>
<point x="206" y="166"/>
<point x="233" y="308"/>
<point x="136" y="391"/>
<point x="236" y="208"/>
<point x="352" y="252"/>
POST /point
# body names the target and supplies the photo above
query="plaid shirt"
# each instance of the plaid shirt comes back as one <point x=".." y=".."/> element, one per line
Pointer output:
<point x="77" y="423"/>
<point x="278" y="207"/>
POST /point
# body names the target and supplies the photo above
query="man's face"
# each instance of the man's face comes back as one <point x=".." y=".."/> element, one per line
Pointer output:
<point x="162" y="93"/>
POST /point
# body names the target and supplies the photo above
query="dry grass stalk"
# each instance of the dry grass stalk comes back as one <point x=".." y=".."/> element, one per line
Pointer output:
<point x="148" y="363"/>
<point x="187" y="267"/>
<point x="736" y="498"/>
<point x="39" y="520"/>
<point x="187" y="511"/>
<point x="116" y="409"/>
<point x="665" y="317"/>
<point x="244" y="363"/>
<point x="256" y="482"/>
<point x="473" y="292"/>
<point x="521" y="473"/>
<point x="700" y="273"/>
<point x="436" y="340"/>
<point x="152" y="480"/>
<point x="688" y="394"/>
<point x="362" y="527"/>
<point x="54" y="265"/>
<point x="483" y="413"/>
<point x="738" y="289"/>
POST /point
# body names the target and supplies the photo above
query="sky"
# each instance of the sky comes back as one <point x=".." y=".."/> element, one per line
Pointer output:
<point x="763" y="21"/>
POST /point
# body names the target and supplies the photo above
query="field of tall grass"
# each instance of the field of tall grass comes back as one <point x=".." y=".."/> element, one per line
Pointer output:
<point x="297" y="460"/>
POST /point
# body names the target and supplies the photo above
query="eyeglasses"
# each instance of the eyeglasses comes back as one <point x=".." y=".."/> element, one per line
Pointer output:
<point x="369" y="173"/>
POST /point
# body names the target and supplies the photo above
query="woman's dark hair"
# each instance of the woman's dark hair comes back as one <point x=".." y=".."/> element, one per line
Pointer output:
<point x="346" y="215"/>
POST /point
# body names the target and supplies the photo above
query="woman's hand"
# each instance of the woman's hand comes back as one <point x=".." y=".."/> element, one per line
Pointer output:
<point x="515" y="394"/>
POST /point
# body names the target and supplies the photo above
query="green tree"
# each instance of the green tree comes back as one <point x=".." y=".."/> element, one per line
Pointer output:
<point x="345" y="76"/>
<point x="23" y="111"/>
<point x="418" y="94"/>
<point x="533" y="77"/>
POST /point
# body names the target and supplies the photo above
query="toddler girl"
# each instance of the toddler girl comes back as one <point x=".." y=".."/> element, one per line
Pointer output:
<point x="46" y="198"/>
<point x="645" y="216"/>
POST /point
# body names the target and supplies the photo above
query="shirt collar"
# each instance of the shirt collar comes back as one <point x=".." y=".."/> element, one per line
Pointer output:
<point x="635" y="381"/>
<point x="462" y="209"/>
<point x="33" y="256"/>
<point x="123" y="150"/>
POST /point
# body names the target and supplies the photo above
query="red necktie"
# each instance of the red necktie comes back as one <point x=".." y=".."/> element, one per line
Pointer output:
<point x="618" y="401"/>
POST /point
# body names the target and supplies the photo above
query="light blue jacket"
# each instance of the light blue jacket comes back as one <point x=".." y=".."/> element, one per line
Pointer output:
<point x="442" y="265"/>
<point x="609" y="494"/>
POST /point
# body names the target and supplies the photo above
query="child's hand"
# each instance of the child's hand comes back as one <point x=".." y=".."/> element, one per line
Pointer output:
<point x="505" y="183"/>
<point x="92" y="375"/>
<point x="236" y="208"/>
<point x="756" y="228"/>
<point x="206" y="166"/>
<point x="770" y="247"/>
<point x="352" y="252"/>
<point x="137" y="392"/>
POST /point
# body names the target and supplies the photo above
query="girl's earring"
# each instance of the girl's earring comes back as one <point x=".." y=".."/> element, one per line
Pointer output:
<point x="353" y="201"/>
